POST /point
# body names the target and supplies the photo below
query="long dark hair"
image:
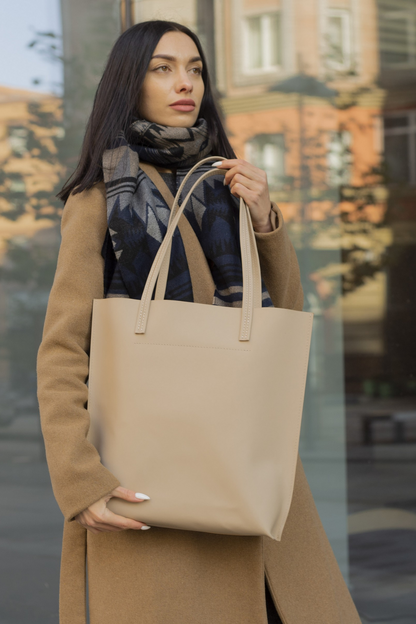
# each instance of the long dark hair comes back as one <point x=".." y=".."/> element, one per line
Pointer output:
<point x="118" y="93"/>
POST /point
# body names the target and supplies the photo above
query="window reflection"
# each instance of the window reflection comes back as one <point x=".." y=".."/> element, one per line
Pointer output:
<point x="267" y="151"/>
<point x="339" y="158"/>
<point x="397" y="28"/>
<point x="339" y="38"/>
<point x="400" y="147"/>
<point x="262" y="39"/>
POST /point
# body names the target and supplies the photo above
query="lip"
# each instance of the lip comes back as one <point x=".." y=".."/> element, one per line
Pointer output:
<point x="185" y="105"/>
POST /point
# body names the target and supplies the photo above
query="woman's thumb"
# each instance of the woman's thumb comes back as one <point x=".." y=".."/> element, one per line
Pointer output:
<point x="129" y="495"/>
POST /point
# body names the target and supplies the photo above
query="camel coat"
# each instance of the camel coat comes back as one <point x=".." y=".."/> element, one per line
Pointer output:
<point x="165" y="576"/>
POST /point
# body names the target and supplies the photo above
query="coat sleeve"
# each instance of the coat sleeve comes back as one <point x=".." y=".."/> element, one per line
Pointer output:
<point x="279" y="264"/>
<point x="78" y="477"/>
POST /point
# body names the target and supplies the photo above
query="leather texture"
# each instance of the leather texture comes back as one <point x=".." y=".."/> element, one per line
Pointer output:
<point x="225" y="464"/>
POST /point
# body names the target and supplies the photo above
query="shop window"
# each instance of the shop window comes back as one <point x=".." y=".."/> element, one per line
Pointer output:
<point x="400" y="147"/>
<point x="338" y="39"/>
<point x="397" y="34"/>
<point x="339" y="158"/>
<point x="267" y="151"/>
<point x="18" y="139"/>
<point x="262" y="42"/>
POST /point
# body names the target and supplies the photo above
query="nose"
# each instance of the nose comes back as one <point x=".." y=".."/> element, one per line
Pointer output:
<point x="184" y="83"/>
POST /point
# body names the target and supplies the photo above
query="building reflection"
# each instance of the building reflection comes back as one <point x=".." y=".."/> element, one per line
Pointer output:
<point x="321" y="95"/>
<point x="30" y="127"/>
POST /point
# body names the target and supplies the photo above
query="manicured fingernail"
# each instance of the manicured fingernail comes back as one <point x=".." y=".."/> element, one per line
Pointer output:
<point x="145" y="527"/>
<point x="143" y="496"/>
<point x="216" y="164"/>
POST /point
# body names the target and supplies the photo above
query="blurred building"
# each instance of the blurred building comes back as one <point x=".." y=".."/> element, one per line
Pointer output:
<point x="27" y="161"/>
<point x="30" y="127"/>
<point x="319" y="94"/>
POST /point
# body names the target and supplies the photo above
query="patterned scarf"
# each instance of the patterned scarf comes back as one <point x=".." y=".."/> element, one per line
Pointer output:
<point x="138" y="215"/>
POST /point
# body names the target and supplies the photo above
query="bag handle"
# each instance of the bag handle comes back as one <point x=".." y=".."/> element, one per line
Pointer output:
<point x="163" y="275"/>
<point x="203" y="286"/>
<point x="252" y="295"/>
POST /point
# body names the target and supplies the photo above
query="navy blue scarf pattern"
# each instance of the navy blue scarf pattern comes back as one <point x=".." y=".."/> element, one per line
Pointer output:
<point x="138" y="216"/>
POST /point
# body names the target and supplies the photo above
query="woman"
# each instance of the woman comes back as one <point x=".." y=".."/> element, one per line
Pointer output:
<point x="113" y="222"/>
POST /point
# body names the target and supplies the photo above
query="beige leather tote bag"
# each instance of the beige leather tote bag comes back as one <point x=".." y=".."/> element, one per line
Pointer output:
<point x="200" y="406"/>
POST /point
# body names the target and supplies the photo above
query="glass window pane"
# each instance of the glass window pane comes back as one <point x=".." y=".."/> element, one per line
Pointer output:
<point x="275" y="39"/>
<point x="395" y="38"/>
<point x="339" y="158"/>
<point x="254" y="55"/>
<point x="397" y="157"/>
<point x="336" y="40"/>
<point x="18" y="137"/>
<point x="267" y="152"/>
<point x="396" y="122"/>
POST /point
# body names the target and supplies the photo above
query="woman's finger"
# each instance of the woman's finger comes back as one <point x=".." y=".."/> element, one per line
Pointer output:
<point x="253" y="185"/>
<point x="104" y="516"/>
<point x="239" y="190"/>
<point x="98" y="516"/>
<point x="129" y="495"/>
<point x="90" y="522"/>
<point x="110" y="517"/>
<point x="114" y="523"/>
<point x="236" y="165"/>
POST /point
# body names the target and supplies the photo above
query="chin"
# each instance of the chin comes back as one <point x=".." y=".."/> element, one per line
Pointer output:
<point x="185" y="121"/>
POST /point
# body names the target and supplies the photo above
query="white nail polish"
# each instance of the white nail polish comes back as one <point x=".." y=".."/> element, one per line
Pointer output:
<point x="216" y="163"/>
<point x="145" y="527"/>
<point x="144" y="496"/>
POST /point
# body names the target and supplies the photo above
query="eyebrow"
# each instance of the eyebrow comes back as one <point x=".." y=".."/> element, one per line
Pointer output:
<point x="173" y="58"/>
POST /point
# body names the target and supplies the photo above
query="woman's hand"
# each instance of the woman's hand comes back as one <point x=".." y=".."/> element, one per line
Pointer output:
<point x="97" y="518"/>
<point x="250" y="183"/>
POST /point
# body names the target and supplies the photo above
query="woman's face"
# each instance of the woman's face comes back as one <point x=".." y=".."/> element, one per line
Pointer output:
<point x="174" y="73"/>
